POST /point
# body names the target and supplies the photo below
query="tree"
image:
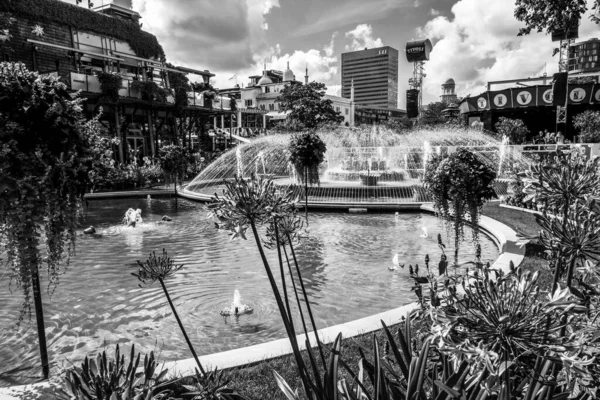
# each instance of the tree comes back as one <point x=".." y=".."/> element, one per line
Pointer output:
<point x="46" y="153"/>
<point x="432" y="114"/>
<point x="543" y="15"/>
<point x="401" y="125"/>
<point x="588" y="122"/>
<point x="514" y="129"/>
<point x="307" y="152"/>
<point x="307" y="106"/>
<point x="174" y="161"/>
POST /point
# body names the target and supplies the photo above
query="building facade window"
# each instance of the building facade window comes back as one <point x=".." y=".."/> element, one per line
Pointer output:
<point x="262" y="106"/>
<point x="346" y="111"/>
<point x="272" y="107"/>
<point x="248" y="102"/>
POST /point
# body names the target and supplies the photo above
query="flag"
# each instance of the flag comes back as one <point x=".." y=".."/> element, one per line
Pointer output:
<point x="544" y="95"/>
<point x="501" y="99"/>
<point x="580" y="93"/>
<point x="524" y="97"/>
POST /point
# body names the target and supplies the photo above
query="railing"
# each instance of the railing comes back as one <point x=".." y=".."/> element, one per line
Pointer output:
<point x="90" y="83"/>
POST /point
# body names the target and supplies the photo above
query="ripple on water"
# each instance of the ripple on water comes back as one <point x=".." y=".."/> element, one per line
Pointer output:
<point x="98" y="303"/>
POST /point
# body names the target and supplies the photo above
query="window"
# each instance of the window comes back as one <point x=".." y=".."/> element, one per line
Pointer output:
<point x="267" y="89"/>
<point x="262" y="106"/>
<point x="272" y="107"/>
<point x="248" y="102"/>
<point x="347" y="111"/>
<point x="337" y="109"/>
<point x="6" y="57"/>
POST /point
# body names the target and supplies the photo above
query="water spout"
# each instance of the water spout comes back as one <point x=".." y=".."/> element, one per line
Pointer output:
<point x="502" y="152"/>
<point x="237" y="308"/>
<point x="240" y="169"/>
<point x="132" y="217"/>
<point x="427" y="151"/>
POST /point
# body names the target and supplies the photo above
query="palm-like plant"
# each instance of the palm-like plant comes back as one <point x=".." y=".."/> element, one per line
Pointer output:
<point x="575" y="237"/>
<point x="561" y="180"/>
<point x="158" y="269"/>
<point x="505" y="312"/>
<point x="106" y="378"/>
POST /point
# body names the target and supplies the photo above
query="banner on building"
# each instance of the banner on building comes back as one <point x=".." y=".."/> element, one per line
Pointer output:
<point x="524" y="97"/>
<point x="534" y="96"/>
<point x="581" y="94"/>
<point x="501" y="99"/>
<point x="544" y="95"/>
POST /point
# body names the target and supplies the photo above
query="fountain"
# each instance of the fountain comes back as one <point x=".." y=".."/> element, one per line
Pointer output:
<point x="363" y="165"/>
<point x="132" y="217"/>
<point x="237" y="308"/>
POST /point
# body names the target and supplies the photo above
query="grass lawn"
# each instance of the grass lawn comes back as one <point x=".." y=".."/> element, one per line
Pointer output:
<point x="257" y="381"/>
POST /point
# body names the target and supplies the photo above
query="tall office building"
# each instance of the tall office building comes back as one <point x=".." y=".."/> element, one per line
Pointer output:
<point x="375" y="76"/>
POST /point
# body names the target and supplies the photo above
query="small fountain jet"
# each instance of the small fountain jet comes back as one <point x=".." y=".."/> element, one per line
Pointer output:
<point x="132" y="217"/>
<point x="237" y="308"/>
<point x="396" y="263"/>
<point x="424" y="235"/>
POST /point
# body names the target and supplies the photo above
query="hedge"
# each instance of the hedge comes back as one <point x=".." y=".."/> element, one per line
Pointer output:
<point x="142" y="43"/>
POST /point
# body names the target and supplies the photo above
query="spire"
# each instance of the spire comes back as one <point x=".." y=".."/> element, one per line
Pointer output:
<point x="306" y="76"/>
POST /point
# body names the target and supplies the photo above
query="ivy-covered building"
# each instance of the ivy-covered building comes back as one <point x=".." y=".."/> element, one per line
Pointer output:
<point x="98" y="47"/>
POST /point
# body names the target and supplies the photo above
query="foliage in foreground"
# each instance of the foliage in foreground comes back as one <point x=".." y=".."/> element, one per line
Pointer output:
<point x="47" y="149"/>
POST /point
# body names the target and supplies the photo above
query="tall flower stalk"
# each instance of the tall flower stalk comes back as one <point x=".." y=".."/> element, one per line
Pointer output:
<point x="158" y="269"/>
<point x="256" y="202"/>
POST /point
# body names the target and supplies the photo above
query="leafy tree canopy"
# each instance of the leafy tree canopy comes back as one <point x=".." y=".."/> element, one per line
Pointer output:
<point x="588" y="122"/>
<point x="515" y="129"/>
<point x="307" y="106"/>
<point x="433" y="112"/>
<point x="543" y="15"/>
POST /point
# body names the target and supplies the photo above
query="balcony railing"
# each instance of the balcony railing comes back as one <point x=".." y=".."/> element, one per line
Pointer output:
<point x="90" y="83"/>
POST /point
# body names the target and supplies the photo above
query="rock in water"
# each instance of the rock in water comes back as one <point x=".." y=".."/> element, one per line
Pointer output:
<point x="89" y="231"/>
<point x="166" y="218"/>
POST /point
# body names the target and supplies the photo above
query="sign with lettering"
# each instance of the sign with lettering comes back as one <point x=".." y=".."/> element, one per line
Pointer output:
<point x="577" y="95"/>
<point x="500" y="100"/>
<point x="482" y="103"/>
<point x="524" y="97"/>
<point x="544" y="96"/>
<point x="418" y="50"/>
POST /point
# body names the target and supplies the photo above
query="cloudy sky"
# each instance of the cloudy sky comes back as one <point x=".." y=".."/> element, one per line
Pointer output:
<point x="475" y="41"/>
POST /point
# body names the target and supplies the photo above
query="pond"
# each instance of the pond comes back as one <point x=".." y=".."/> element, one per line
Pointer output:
<point x="98" y="303"/>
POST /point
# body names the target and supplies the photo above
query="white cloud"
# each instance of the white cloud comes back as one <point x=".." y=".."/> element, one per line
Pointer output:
<point x="229" y="32"/>
<point x="480" y="44"/>
<point x="434" y="12"/>
<point x="321" y="64"/>
<point x="417" y="3"/>
<point x="362" y="36"/>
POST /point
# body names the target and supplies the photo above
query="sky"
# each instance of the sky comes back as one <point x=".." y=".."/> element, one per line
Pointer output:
<point x="474" y="41"/>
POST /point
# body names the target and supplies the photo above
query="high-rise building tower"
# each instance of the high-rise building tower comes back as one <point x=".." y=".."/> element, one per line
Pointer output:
<point x="375" y="76"/>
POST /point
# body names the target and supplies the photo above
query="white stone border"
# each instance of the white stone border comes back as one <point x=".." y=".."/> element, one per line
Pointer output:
<point x="505" y="237"/>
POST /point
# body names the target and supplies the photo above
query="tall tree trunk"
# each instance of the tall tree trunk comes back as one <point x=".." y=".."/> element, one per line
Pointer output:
<point x="31" y="254"/>
<point x="39" y="319"/>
